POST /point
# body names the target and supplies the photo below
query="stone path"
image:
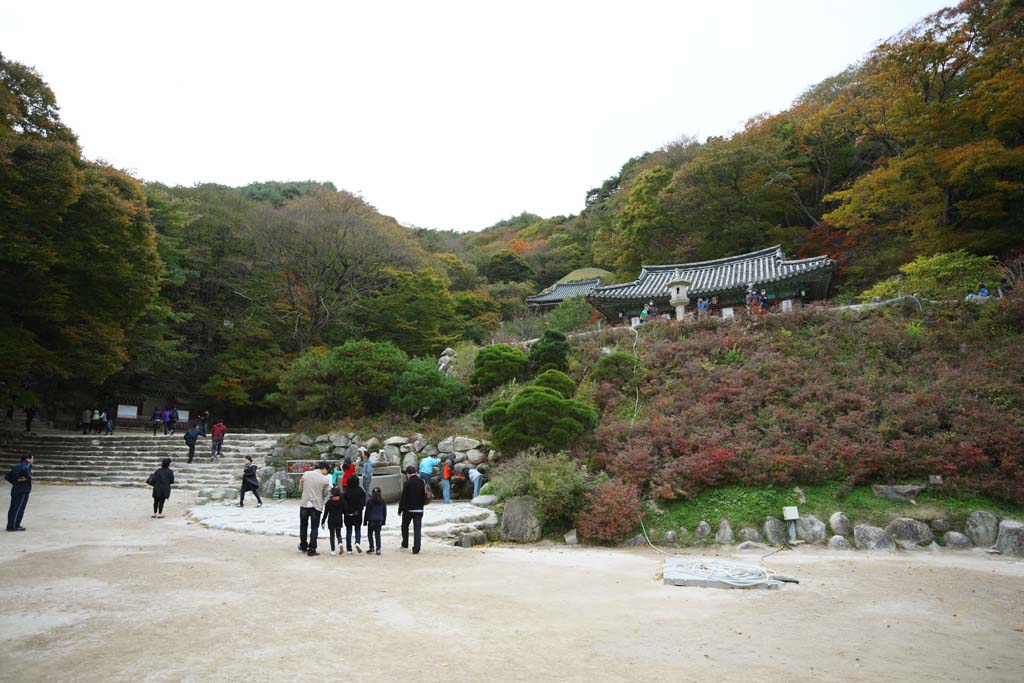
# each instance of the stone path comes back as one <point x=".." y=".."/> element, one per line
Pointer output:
<point x="281" y="518"/>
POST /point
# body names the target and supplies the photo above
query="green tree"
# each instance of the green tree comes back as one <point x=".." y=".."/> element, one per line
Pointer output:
<point x="495" y="365"/>
<point x="550" y="352"/>
<point x="538" y="417"/>
<point x="413" y="310"/>
<point x="570" y="315"/>
<point x="951" y="274"/>
<point x="507" y="266"/>
<point x="423" y="392"/>
<point x="559" y="381"/>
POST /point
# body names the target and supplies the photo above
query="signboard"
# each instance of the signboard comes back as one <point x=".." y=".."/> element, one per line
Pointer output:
<point x="182" y="415"/>
<point x="127" y="412"/>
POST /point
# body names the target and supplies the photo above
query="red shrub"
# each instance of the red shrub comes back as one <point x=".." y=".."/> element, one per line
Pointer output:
<point x="612" y="512"/>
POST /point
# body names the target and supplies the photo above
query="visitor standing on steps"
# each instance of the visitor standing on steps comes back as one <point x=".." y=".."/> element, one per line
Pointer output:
<point x="355" y="501"/>
<point x="334" y="515"/>
<point x="204" y="421"/>
<point x="30" y="414"/>
<point x="315" y="486"/>
<point x="217" y="439"/>
<point x="376" y="516"/>
<point x="161" y="481"/>
<point x="174" y="419"/>
<point x="87" y="420"/>
<point x="250" y="482"/>
<point x="367" y="473"/>
<point x="20" y="478"/>
<point x="191" y="436"/>
<point x="156" y="419"/>
<point x="166" y="417"/>
<point x="410" y="506"/>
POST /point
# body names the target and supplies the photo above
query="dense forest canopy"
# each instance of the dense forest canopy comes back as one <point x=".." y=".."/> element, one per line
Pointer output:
<point x="109" y="283"/>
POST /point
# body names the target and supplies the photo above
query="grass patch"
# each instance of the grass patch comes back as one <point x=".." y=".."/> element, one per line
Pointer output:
<point x="749" y="505"/>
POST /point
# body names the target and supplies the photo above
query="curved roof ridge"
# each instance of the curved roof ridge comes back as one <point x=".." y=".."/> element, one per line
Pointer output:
<point x="767" y="251"/>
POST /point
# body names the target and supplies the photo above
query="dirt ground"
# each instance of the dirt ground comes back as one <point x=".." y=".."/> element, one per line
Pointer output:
<point x="96" y="590"/>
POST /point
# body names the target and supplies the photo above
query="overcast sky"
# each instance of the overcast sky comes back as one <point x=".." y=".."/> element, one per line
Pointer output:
<point x="441" y="114"/>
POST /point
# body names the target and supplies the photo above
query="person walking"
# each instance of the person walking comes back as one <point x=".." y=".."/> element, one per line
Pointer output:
<point x="191" y="436"/>
<point x="334" y="515"/>
<point x="174" y="420"/>
<point x="355" y="501"/>
<point x="315" y="486"/>
<point x="427" y="466"/>
<point x="86" y="421"/>
<point x="217" y="439"/>
<point x="104" y="423"/>
<point x="367" y="473"/>
<point x="95" y="420"/>
<point x="410" y="506"/>
<point x="376" y="515"/>
<point x="156" y="420"/>
<point x="20" y="478"/>
<point x="30" y="414"/>
<point x="161" y="481"/>
<point x="204" y="422"/>
<point x="165" y="416"/>
<point x="250" y="482"/>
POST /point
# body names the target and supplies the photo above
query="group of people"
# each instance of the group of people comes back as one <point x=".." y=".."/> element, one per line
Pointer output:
<point x="649" y="312"/>
<point x="348" y="505"/>
<point x="704" y="306"/>
<point x="98" y="421"/>
<point x="757" y="302"/>
<point x="199" y="430"/>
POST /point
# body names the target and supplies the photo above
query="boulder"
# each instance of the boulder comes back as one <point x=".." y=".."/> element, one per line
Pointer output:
<point x="392" y="452"/>
<point x="471" y="538"/>
<point x="751" y="545"/>
<point x="429" y="450"/>
<point x="811" y="529"/>
<point x="460" y="458"/>
<point x="571" y="537"/>
<point x="351" y="452"/>
<point x="635" y="542"/>
<point x="748" y="534"/>
<point x="900" y="492"/>
<point x="683" y="533"/>
<point x="774" y="530"/>
<point x="217" y="494"/>
<point x="372" y="444"/>
<point x="268" y="485"/>
<point x="909" y="532"/>
<point x="955" y="540"/>
<point x="724" y="534"/>
<point x="838" y="542"/>
<point x="872" y="538"/>
<point x="396" y="441"/>
<point x="406" y="448"/>
<point x="669" y="536"/>
<point x="322" y="438"/>
<point x="463" y="443"/>
<point x="323" y="447"/>
<point x="840" y="524"/>
<point x="264" y="473"/>
<point x="306" y="439"/>
<point x="940" y="526"/>
<point x="982" y="528"/>
<point x="446" y="446"/>
<point x="485" y="501"/>
<point x="298" y="452"/>
<point x="475" y="457"/>
<point x="703" y="531"/>
<point x="519" y="522"/>
<point x="339" y="441"/>
<point x="409" y="459"/>
<point x="378" y="458"/>
<point x="1011" y="538"/>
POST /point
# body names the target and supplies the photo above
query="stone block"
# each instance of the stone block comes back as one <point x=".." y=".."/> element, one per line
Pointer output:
<point x="396" y="441"/>
<point x="982" y="528"/>
<point x="840" y="524"/>
<point x="810" y="529"/>
<point x="1010" y="540"/>
<point x="872" y="538"/>
<point x="774" y="530"/>
<point x="462" y="443"/>
<point x="955" y="540"/>
<point x="901" y="492"/>
<point x="838" y="542"/>
<point x="571" y="537"/>
<point x="475" y="457"/>
<point x="724" y="534"/>
<point x="519" y="522"/>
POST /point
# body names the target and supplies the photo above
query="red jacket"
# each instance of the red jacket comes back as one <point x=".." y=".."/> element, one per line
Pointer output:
<point x="346" y="472"/>
<point x="219" y="429"/>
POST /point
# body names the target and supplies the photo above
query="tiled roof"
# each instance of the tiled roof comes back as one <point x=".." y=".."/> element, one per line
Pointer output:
<point x="565" y="290"/>
<point x="708" y="277"/>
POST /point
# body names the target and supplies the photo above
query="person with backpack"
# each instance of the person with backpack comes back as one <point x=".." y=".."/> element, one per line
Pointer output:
<point x="355" y="501"/>
<point x="191" y="436"/>
<point x="376" y="517"/>
<point x="410" y="506"/>
<point x="250" y="482"/>
<point x="161" y="481"/>
<point x="334" y="514"/>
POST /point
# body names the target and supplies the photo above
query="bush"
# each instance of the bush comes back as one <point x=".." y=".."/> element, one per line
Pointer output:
<point x="550" y="352"/>
<point x="495" y="365"/>
<point x="556" y="481"/>
<point x="538" y="416"/>
<point x="572" y="314"/>
<point x="422" y="391"/>
<point x="559" y="381"/>
<point x="356" y="378"/>
<point x="617" y="368"/>
<point x="940" y="276"/>
<point x="611" y="513"/>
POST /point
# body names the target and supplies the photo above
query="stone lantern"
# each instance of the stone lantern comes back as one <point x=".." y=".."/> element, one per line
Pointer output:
<point x="677" y="293"/>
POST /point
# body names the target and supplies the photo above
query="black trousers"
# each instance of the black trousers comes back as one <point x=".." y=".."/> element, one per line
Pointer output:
<point x="417" y="523"/>
<point x="353" y="522"/>
<point x="255" y="492"/>
<point x="308" y="517"/>
<point x="334" y="532"/>
<point x="158" y="506"/>
<point x="17" y="510"/>
<point x="373" y="534"/>
<point x="191" y="451"/>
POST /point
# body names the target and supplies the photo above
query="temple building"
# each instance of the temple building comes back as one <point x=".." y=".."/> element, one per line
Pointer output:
<point x="545" y="301"/>
<point x="672" y="287"/>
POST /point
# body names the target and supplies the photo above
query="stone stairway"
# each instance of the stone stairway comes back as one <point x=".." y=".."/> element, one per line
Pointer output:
<point x="127" y="459"/>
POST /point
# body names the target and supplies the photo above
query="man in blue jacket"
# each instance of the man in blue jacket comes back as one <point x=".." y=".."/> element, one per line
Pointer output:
<point x="20" y="477"/>
<point x="190" y="439"/>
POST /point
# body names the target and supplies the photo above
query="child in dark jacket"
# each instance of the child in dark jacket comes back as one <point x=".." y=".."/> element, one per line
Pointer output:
<point x="355" y="499"/>
<point x="376" y="516"/>
<point x="334" y="512"/>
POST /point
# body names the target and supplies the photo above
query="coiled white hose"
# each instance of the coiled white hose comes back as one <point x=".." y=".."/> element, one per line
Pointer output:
<point x="730" y="572"/>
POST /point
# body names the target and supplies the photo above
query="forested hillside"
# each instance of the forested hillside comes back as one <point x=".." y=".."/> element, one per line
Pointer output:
<point x="111" y="286"/>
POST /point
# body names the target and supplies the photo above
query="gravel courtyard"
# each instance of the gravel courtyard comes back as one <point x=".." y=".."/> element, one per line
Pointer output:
<point x="96" y="590"/>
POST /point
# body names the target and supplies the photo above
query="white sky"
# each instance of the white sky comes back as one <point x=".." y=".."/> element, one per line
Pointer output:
<point x="441" y="114"/>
